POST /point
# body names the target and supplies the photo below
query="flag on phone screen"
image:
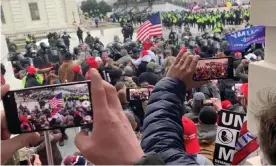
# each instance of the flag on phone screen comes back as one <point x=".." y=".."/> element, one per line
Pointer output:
<point x="56" y="101"/>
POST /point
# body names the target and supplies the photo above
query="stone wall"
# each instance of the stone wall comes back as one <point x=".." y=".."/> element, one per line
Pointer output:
<point x="54" y="14"/>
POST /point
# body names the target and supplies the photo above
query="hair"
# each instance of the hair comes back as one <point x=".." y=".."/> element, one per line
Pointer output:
<point x="267" y="133"/>
<point x="266" y="106"/>
<point x="122" y="96"/>
<point x="131" y="119"/>
<point x="119" y="85"/>
<point x="167" y="53"/>
<point x="168" y="62"/>
<point x="159" y="50"/>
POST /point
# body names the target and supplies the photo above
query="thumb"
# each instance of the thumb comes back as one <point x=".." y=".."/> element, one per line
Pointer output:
<point x="10" y="146"/>
<point x="4" y="89"/>
<point x="81" y="140"/>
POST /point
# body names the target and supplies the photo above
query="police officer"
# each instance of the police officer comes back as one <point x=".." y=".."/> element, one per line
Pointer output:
<point x="66" y="39"/>
<point x="12" y="47"/>
<point x="127" y="31"/>
<point x="29" y="39"/>
<point x="218" y="27"/>
<point x="89" y="40"/>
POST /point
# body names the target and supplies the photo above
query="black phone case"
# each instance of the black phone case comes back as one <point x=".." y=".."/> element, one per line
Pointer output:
<point x="230" y="69"/>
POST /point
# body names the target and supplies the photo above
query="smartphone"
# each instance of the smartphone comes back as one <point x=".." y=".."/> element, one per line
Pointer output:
<point x="138" y="94"/>
<point x="214" y="68"/>
<point x="48" y="107"/>
<point x="207" y="102"/>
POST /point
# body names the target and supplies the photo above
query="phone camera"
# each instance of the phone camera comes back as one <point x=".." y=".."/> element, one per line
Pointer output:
<point x="9" y="96"/>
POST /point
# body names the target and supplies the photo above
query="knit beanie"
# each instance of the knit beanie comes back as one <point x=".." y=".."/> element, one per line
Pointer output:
<point x="208" y="115"/>
<point x="128" y="71"/>
<point x="152" y="66"/>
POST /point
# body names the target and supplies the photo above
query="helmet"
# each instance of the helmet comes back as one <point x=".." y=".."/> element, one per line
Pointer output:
<point x="132" y="44"/>
<point x="216" y="46"/>
<point x="101" y="49"/>
<point x="42" y="45"/>
<point x="76" y="50"/>
<point x="116" y="38"/>
<point x="224" y="46"/>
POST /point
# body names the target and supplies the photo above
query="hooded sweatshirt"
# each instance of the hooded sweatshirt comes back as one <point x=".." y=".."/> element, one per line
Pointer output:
<point x="206" y="135"/>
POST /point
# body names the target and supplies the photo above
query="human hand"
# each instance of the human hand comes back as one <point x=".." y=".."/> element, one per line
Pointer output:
<point x="112" y="141"/>
<point x="216" y="104"/>
<point x="10" y="145"/>
<point x="36" y="162"/>
<point x="183" y="68"/>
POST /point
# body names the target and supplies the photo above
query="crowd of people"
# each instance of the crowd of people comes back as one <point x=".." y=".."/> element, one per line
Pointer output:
<point x="36" y="114"/>
<point x="173" y="127"/>
<point x="139" y="94"/>
<point x="211" y="70"/>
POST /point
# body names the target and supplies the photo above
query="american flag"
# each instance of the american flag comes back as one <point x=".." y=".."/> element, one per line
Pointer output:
<point x="246" y="146"/>
<point x="152" y="27"/>
<point x="57" y="100"/>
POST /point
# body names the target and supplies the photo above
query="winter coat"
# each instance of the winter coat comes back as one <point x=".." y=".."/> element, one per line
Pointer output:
<point x="240" y="73"/>
<point x="66" y="72"/>
<point x="163" y="130"/>
<point x="206" y="135"/>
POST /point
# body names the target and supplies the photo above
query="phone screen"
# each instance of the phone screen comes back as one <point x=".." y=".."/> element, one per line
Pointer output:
<point x="47" y="108"/>
<point x="214" y="68"/>
<point x="138" y="94"/>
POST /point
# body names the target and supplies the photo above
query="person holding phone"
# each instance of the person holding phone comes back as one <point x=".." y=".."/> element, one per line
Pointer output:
<point x="9" y="146"/>
<point x="109" y="120"/>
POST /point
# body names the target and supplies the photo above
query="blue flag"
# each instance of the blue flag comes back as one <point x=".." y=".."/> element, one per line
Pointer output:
<point x="240" y="40"/>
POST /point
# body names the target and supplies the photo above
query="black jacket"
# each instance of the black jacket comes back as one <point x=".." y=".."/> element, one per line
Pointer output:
<point x="163" y="131"/>
<point x="149" y="77"/>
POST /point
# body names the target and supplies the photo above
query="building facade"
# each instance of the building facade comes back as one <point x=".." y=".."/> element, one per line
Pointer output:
<point x="28" y="16"/>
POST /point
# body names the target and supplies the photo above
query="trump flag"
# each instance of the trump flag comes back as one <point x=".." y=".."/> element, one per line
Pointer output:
<point x="240" y="40"/>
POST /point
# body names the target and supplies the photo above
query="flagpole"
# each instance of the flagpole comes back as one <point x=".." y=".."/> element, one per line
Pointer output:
<point x="161" y="23"/>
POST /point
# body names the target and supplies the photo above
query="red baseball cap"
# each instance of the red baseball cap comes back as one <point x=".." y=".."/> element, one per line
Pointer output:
<point x="226" y="104"/>
<point x="190" y="138"/>
<point x="31" y="70"/>
<point x="92" y="62"/>
<point x="244" y="90"/>
<point x="183" y="48"/>
<point x="238" y="54"/>
<point x="76" y="68"/>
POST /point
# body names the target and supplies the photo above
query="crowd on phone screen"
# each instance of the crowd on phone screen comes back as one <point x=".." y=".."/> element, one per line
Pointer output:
<point x="211" y="71"/>
<point x="72" y="113"/>
<point x="152" y="64"/>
